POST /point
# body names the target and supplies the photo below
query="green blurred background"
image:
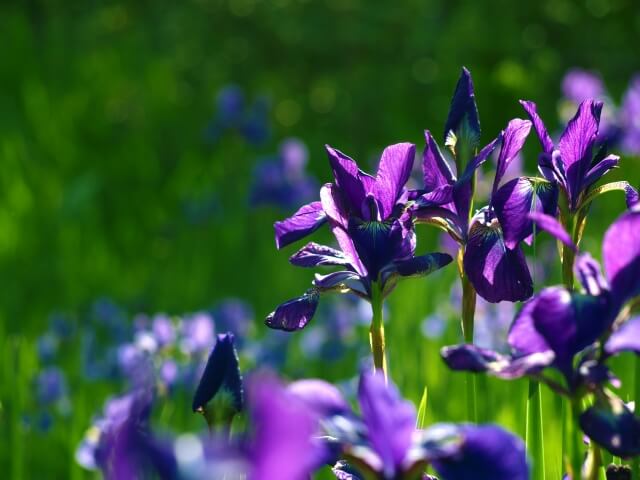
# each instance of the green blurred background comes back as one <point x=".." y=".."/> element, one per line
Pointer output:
<point x="102" y="111"/>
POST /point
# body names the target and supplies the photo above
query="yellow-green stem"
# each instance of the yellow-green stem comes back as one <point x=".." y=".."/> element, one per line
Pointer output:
<point x="468" y="313"/>
<point x="635" y="463"/>
<point x="376" y="332"/>
<point x="534" y="432"/>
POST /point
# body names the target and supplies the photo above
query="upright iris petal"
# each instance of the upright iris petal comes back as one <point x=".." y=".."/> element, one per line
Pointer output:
<point x="463" y="119"/>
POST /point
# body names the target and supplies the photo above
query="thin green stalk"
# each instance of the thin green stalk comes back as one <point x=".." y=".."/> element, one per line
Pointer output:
<point x="575" y="441"/>
<point x="468" y="313"/>
<point x="376" y="331"/>
<point x="534" y="432"/>
<point x="635" y="464"/>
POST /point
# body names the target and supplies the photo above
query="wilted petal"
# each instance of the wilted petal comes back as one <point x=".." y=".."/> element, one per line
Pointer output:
<point x="550" y="225"/>
<point x="393" y="172"/>
<point x="320" y="396"/>
<point x="625" y="339"/>
<point x="614" y="427"/>
<point x="472" y="358"/>
<point x="294" y="314"/>
<point x="598" y="170"/>
<point x="538" y="125"/>
<point x="496" y="272"/>
<point x="621" y="253"/>
<point x="283" y="429"/>
<point x="304" y="222"/>
<point x="513" y="140"/>
<point x="575" y="146"/>
<point x="516" y="199"/>
<point x="313" y="255"/>
<point x="463" y="116"/>
<point x="487" y="453"/>
<point x="435" y="169"/>
<point x="222" y="370"/>
<point x="389" y="419"/>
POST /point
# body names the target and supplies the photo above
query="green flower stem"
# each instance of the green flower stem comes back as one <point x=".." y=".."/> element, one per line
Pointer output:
<point x="376" y="332"/>
<point x="534" y="432"/>
<point x="635" y="463"/>
<point x="468" y="313"/>
<point x="574" y="440"/>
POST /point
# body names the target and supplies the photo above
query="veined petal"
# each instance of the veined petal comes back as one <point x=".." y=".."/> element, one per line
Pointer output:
<point x="631" y="196"/>
<point x="349" y="178"/>
<point x="497" y="272"/>
<point x="463" y="118"/>
<point x="487" y="452"/>
<point x="221" y="370"/>
<point x="513" y="140"/>
<point x="599" y="169"/>
<point x="436" y="171"/>
<point x="625" y="339"/>
<point x="393" y="172"/>
<point x="377" y="243"/>
<point x="538" y="125"/>
<point x="516" y="199"/>
<point x="576" y="144"/>
<point x="550" y="225"/>
<point x="294" y="314"/>
<point x="442" y="195"/>
<point x="614" y="427"/>
<point x="304" y="222"/>
<point x="389" y="419"/>
<point x="621" y="254"/>
<point x="314" y="254"/>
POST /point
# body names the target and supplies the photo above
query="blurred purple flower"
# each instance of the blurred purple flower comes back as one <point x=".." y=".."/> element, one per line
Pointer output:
<point x="50" y="386"/>
<point x="630" y="118"/>
<point x="579" y="85"/>
<point x="197" y="332"/>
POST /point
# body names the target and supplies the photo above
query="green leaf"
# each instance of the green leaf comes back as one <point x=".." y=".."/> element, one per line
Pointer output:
<point x="422" y="411"/>
<point x="607" y="187"/>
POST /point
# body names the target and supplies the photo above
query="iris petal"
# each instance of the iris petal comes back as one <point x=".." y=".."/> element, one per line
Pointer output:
<point x="302" y="223"/>
<point x="294" y="314"/>
<point x="621" y="253"/>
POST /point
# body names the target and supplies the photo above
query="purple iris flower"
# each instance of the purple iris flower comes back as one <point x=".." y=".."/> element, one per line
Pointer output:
<point x="383" y="441"/>
<point x="571" y="163"/>
<point x="222" y="371"/>
<point x="630" y="118"/>
<point x="368" y="217"/>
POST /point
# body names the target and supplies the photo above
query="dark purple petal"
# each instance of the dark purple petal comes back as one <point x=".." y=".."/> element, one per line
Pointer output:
<point x="283" y="429"/>
<point x="631" y="196"/>
<point x="625" y="339"/>
<point x="595" y="374"/>
<point x="436" y="171"/>
<point x="614" y="427"/>
<point x="598" y="170"/>
<point x="570" y="322"/>
<point x="550" y="225"/>
<point x="294" y="314"/>
<point x="313" y="255"/>
<point x="621" y="253"/>
<point x="320" y="397"/>
<point x="442" y="195"/>
<point x="221" y="371"/>
<point x="516" y="199"/>
<point x="523" y="336"/>
<point x="393" y="172"/>
<point x="463" y="116"/>
<point x="487" y="453"/>
<point x="304" y="222"/>
<point x="590" y="276"/>
<point x="496" y="272"/>
<point x="576" y="144"/>
<point x="340" y="280"/>
<point x="349" y="178"/>
<point x="389" y="419"/>
<point x="538" y="125"/>
<point x="513" y="139"/>
<point x="377" y="243"/>
<point x="472" y="358"/>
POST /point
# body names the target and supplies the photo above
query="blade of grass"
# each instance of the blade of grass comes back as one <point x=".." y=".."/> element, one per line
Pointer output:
<point x="534" y="431"/>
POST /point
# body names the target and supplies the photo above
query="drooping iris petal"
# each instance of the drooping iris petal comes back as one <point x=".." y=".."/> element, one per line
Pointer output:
<point x="487" y="453"/>
<point x="538" y="125"/>
<point x="221" y="371"/>
<point x="463" y="119"/>
<point x="436" y="171"/>
<point x="422" y="265"/>
<point x="596" y="172"/>
<point x="513" y="140"/>
<point x="496" y="272"/>
<point x="590" y="276"/>
<point x="569" y="322"/>
<point x="340" y="280"/>
<point x="621" y="254"/>
<point x="625" y="339"/>
<point x="472" y="358"/>
<point x="389" y="419"/>
<point x="320" y="396"/>
<point x="313" y="255"/>
<point x="304" y="222"/>
<point x="294" y="314"/>
<point x="614" y="427"/>
<point x="550" y="225"/>
<point x="575" y="146"/>
<point x="393" y="172"/>
<point x="516" y="199"/>
<point x="284" y="426"/>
